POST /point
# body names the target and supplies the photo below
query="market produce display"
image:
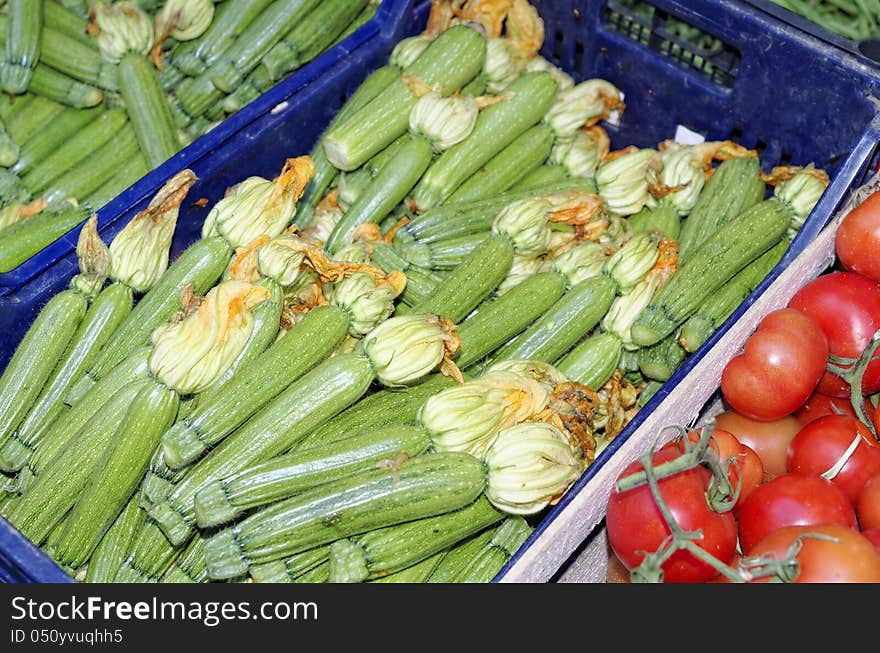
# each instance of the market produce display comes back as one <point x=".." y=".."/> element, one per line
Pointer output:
<point x="782" y="485"/>
<point x="387" y="362"/>
<point x="100" y="93"/>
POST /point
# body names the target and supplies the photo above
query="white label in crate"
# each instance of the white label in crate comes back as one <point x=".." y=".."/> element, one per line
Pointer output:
<point x="613" y="118"/>
<point x="281" y="106"/>
<point x="687" y="136"/>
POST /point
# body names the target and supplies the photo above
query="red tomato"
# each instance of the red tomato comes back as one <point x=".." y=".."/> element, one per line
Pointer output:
<point x="792" y="500"/>
<point x="818" y="405"/>
<point x="726" y="447"/>
<point x="779" y="368"/>
<point x="873" y="536"/>
<point x="847" y="558"/>
<point x="635" y="525"/>
<point x="857" y="240"/>
<point x="868" y="504"/>
<point x="769" y="440"/>
<point x="823" y="444"/>
<point x="846" y="306"/>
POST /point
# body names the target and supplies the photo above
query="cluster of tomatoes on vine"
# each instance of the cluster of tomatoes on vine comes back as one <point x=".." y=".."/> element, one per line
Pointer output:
<point x="784" y="485"/>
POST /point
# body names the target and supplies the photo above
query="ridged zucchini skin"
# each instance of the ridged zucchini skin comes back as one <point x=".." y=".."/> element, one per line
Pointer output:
<point x="189" y="567"/>
<point x="52" y="493"/>
<point x="453" y="219"/>
<point x="660" y="360"/>
<point x="21" y="240"/>
<point x="564" y="324"/>
<point x="325" y="172"/>
<point x="529" y="150"/>
<point x="64" y="125"/>
<point x="65" y="428"/>
<point x="384" y="407"/>
<point x="38" y="353"/>
<point x="472" y="281"/>
<point x="102" y="318"/>
<point x="441" y="255"/>
<point x="116" y="544"/>
<point x="662" y="219"/>
<point x="117" y="474"/>
<point x="201" y="264"/>
<point x="223" y="500"/>
<point x="393" y="548"/>
<point x="256" y="384"/>
<point x="546" y="173"/>
<point x="498" y="320"/>
<point x="288" y="570"/>
<point x="150" y="557"/>
<point x="22" y="51"/>
<point x="593" y="361"/>
<point x="386" y="190"/>
<point x="307" y="403"/>
<point x="460" y="555"/>
<point x="450" y="61"/>
<point x="712" y="313"/>
<point x="527" y="100"/>
<point x="419" y="487"/>
<point x="724" y="253"/>
<point x="417" y="573"/>
<point x="734" y="187"/>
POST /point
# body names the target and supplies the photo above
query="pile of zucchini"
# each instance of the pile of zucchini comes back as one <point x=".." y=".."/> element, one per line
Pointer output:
<point x="100" y="93"/>
<point x="388" y="362"/>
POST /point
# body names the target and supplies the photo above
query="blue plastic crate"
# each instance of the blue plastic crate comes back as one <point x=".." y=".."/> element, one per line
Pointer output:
<point x="789" y="95"/>
<point x="374" y="33"/>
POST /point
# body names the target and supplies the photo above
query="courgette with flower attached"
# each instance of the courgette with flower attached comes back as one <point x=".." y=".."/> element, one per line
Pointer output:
<point x="137" y="257"/>
<point x="255" y="207"/>
<point x="450" y="61"/>
<point x="125" y="38"/>
<point x="398" y="352"/>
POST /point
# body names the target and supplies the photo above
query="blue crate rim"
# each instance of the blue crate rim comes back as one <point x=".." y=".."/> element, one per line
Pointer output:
<point x="379" y="26"/>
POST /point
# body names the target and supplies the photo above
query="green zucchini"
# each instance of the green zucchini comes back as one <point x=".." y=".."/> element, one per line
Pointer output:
<point x="116" y="544"/>
<point x="50" y="495"/>
<point x="735" y="185"/>
<point x="20" y="241"/>
<point x="64" y="125"/>
<point x="61" y="19"/>
<point x="312" y="399"/>
<point x="291" y="568"/>
<point x="64" y="89"/>
<point x="526" y="101"/>
<point x="509" y="166"/>
<point x="22" y="44"/>
<point x="382" y="408"/>
<point x="541" y="176"/>
<point x="189" y="567"/>
<point x="387" y="189"/>
<point x="720" y="256"/>
<point x="469" y="284"/>
<point x="101" y="319"/>
<point x="660" y="360"/>
<point x="460" y="555"/>
<point x="220" y="412"/>
<point x="230" y="20"/>
<point x="487" y="561"/>
<point x="38" y="353"/>
<point x="150" y="558"/>
<point x="593" y="361"/>
<point x="417" y="573"/>
<point x="441" y="254"/>
<point x="450" y="61"/>
<point x="325" y="171"/>
<point x="114" y="479"/>
<point x="564" y="324"/>
<point x="230" y="497"/>
<point x="498" y="320"/>
<point x="663" y="219"/>
<point x="35" y="115"/>
<point x="386" y="550"/>
<point x="75" y="150"/>
<point x="419" y="487"/>
<point x="200" y="265"/>
<point x="454" y="219"/>
<point x="712" y="313"/>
